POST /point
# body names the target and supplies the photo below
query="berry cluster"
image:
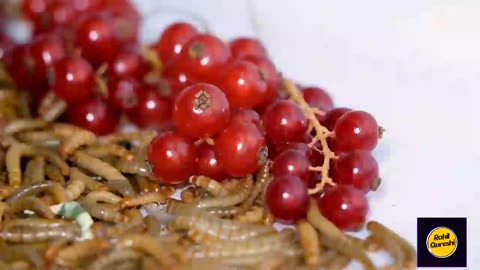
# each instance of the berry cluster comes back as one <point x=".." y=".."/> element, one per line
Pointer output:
<point x="223" y="108"/>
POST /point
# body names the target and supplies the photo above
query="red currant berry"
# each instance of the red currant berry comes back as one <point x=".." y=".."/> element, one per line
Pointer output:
<point x="33" y="8"/>
<point x="293" y="162"/>
<point x="332" y="116"/>
<point x="152" y="110"/>
<point x="243" y="85"/>
<point x="172" y="157"/>
<point x="86" y="5"/>
<point x="125" y="19"/>
<point x="46" y="50"/>
<point x="128" y="64"/>
<point x="61" y="12"/>
<point x="201" y="110"/>
<point x="246" y="115"/>
<point x="246" y="46"/>
<point x="95" y="115"/>
<point x="95" y="35"/>
<point x="317" y="98"/>
<point x="356" y="130"/>
<point x="207" y="163"/>
<point x="124" y="93"/>
<point x="345" y="206"/>
<point x="269" y="73"/>
<point x="177" y="79"/>
<point x="284" y="122"/>
<point x="357" y="168"/>
<point x="172" y="40"/>
<point x="21" y="67"/>
<point x="74" y="79"/>
<point x="240" y="149"/>
<point x="202" y="56"/>
<point x="287" y="197"/>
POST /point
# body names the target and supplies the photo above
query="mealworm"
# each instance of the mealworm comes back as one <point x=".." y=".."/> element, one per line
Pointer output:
<point x="254" y="215"/>
<point x="134" y="164"/>
<point x="239" y="195"/>
<point x="262" y="178"/>
<point x="338" y="263"/>
<point x="103" y="211"/>
<point x="52" y="252"/>
<point x="142" y="199"/>
<point x="90" y="184"/>
<point x="122" y="186"/>
<point x="103" y="196"/>
<point x="45" y="234"/>
<point x="309" y="241"/>
<point x="230" y="185"/>
<point x="225" y="211"/>
<point x="114" y="258"/>
<point x="6" y="192"/>
<point x="54" y="174"/>
<point x="35" y="171"/>
<point x="75" y="141"/>
<point x="74" y="189"/>
<point x="219" y="228"/>
<point x="34" y="204"/>
<point x="154" y="227"/>
<point x="13" y="158"/>
<point x="210" y="185"/>
<point x="54" y="189"/>
<point x="103" y="150"/>
<point x="187" y="195"/>
<point x="35" y="223"/>
<point x="56" y="160"/>
<point x="73" y="255"/>
<point x="143" y="136"/>
<point x="268" y="217"/>
<point x="23" y="124"/>
<point x="64" y="130"/>
<point x="149" y="246"/>
<point x="40" y="138"/>
<point x="54" y="111"/>
<point x="46" y="102"/>
<point x="391" y="240"/>
<point x="134" y="224"/>
<point x="19" y="265"/>
<point x="335" y="239"/>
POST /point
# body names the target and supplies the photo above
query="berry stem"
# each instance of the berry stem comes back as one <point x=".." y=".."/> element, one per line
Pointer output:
<point x="322" y="133"/>
<point x="100" y="82"/>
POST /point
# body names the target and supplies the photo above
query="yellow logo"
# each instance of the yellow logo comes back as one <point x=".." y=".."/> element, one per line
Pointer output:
<point x="442" y="242"/>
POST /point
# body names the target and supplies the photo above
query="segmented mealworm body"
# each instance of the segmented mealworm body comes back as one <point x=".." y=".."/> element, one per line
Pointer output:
<point x="210" y="185"/>
<point x="46" y="102"/>
<point x="22" y="125"/>
<point x="149" y="246"/>
<point x="134" y="164"/>
<point x="114" y="258"/>
<point x="76" y="140"/>
<point x="6" y="192"/>
<point x="90" y="184"/>
<point x="142" y="199"/>
<point x="35" y="170"/>
<point x="40" y="235"/>
<point x="338" y="263"/>
<point x="54" y="111"/>
<point x="141" y="136"/>
<point x="64" y="130"/>
<point x="390" y="240"/>
<point x="239" y="195"/>
<point x="102" y="196"/>
<point x="72" y="256"/>
<point x="35" y="223"/>
<point x="309" y="241"/>
<point x="230" y="184"/>
<point x="52" y="188"/>
<point x="34" y="204"/>
<point x="104" y="212"/>
<point x="254" y="215"/>
<point x="103" y="150"/>
<point x="96" y="166"/>
<point x="225" y="211"/>
<point x="187" y="195"/>
<point x="13" y="158"/>
<point x="154" y="227"/>
<point x="52" y="252"/>
<point x="74" y="189"/>
<point x="40" y="138"/>
<point x="54" y="174"/>
<point x="335" y="239"/>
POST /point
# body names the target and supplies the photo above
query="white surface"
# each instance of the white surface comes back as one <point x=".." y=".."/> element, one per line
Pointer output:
<point x="414" y="64"/>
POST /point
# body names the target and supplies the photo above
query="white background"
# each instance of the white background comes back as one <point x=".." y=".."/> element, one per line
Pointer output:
<point x="414" y="64"/>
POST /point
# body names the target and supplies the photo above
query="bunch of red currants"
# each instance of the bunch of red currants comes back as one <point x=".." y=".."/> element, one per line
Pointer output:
<point x="221" y="106"/>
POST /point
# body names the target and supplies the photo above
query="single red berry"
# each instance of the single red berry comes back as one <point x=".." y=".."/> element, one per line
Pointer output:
<point x="243" y="84"/>
<point x="332" y="116"/>
<point x="241" y="149"/>
<point x="152" y="110"/>
<point x="95" y="115"/>
<point x="287" y="198"/>
<point x="293" y="162"/>
<point x="207" y="163"/>
<point x="269" y="73"/>
<point x="173" y="38"/>
<point x="46" y="50"/>
<point x="61" y="13"/>
<point x="86" y="5"/>
<point x="345" y="206"/>
<point x="246" y="115"/>
<point x="33" y="8"/>
<point x="202" y="56"/>
<point x="124" y="93"/>
<point x="284" y="122"/>
<point x="201" y="110"/>
<point x="95" y="36"/>
<point x="74" y="79"/>
<point x="246" y="46"/>
<point x="172" y="157"/>
<point x="356" y="130"/>
<point x="357" y="168"/>
<point x="317" y="98"/>
<point x="128" y="64"/>
<point x="125" y="17"/>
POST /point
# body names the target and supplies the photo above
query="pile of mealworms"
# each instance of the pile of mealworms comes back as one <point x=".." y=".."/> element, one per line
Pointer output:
<point x="213" y="225"/>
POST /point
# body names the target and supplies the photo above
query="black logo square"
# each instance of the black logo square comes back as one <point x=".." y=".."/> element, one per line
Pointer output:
<point x="442" y="242"/>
